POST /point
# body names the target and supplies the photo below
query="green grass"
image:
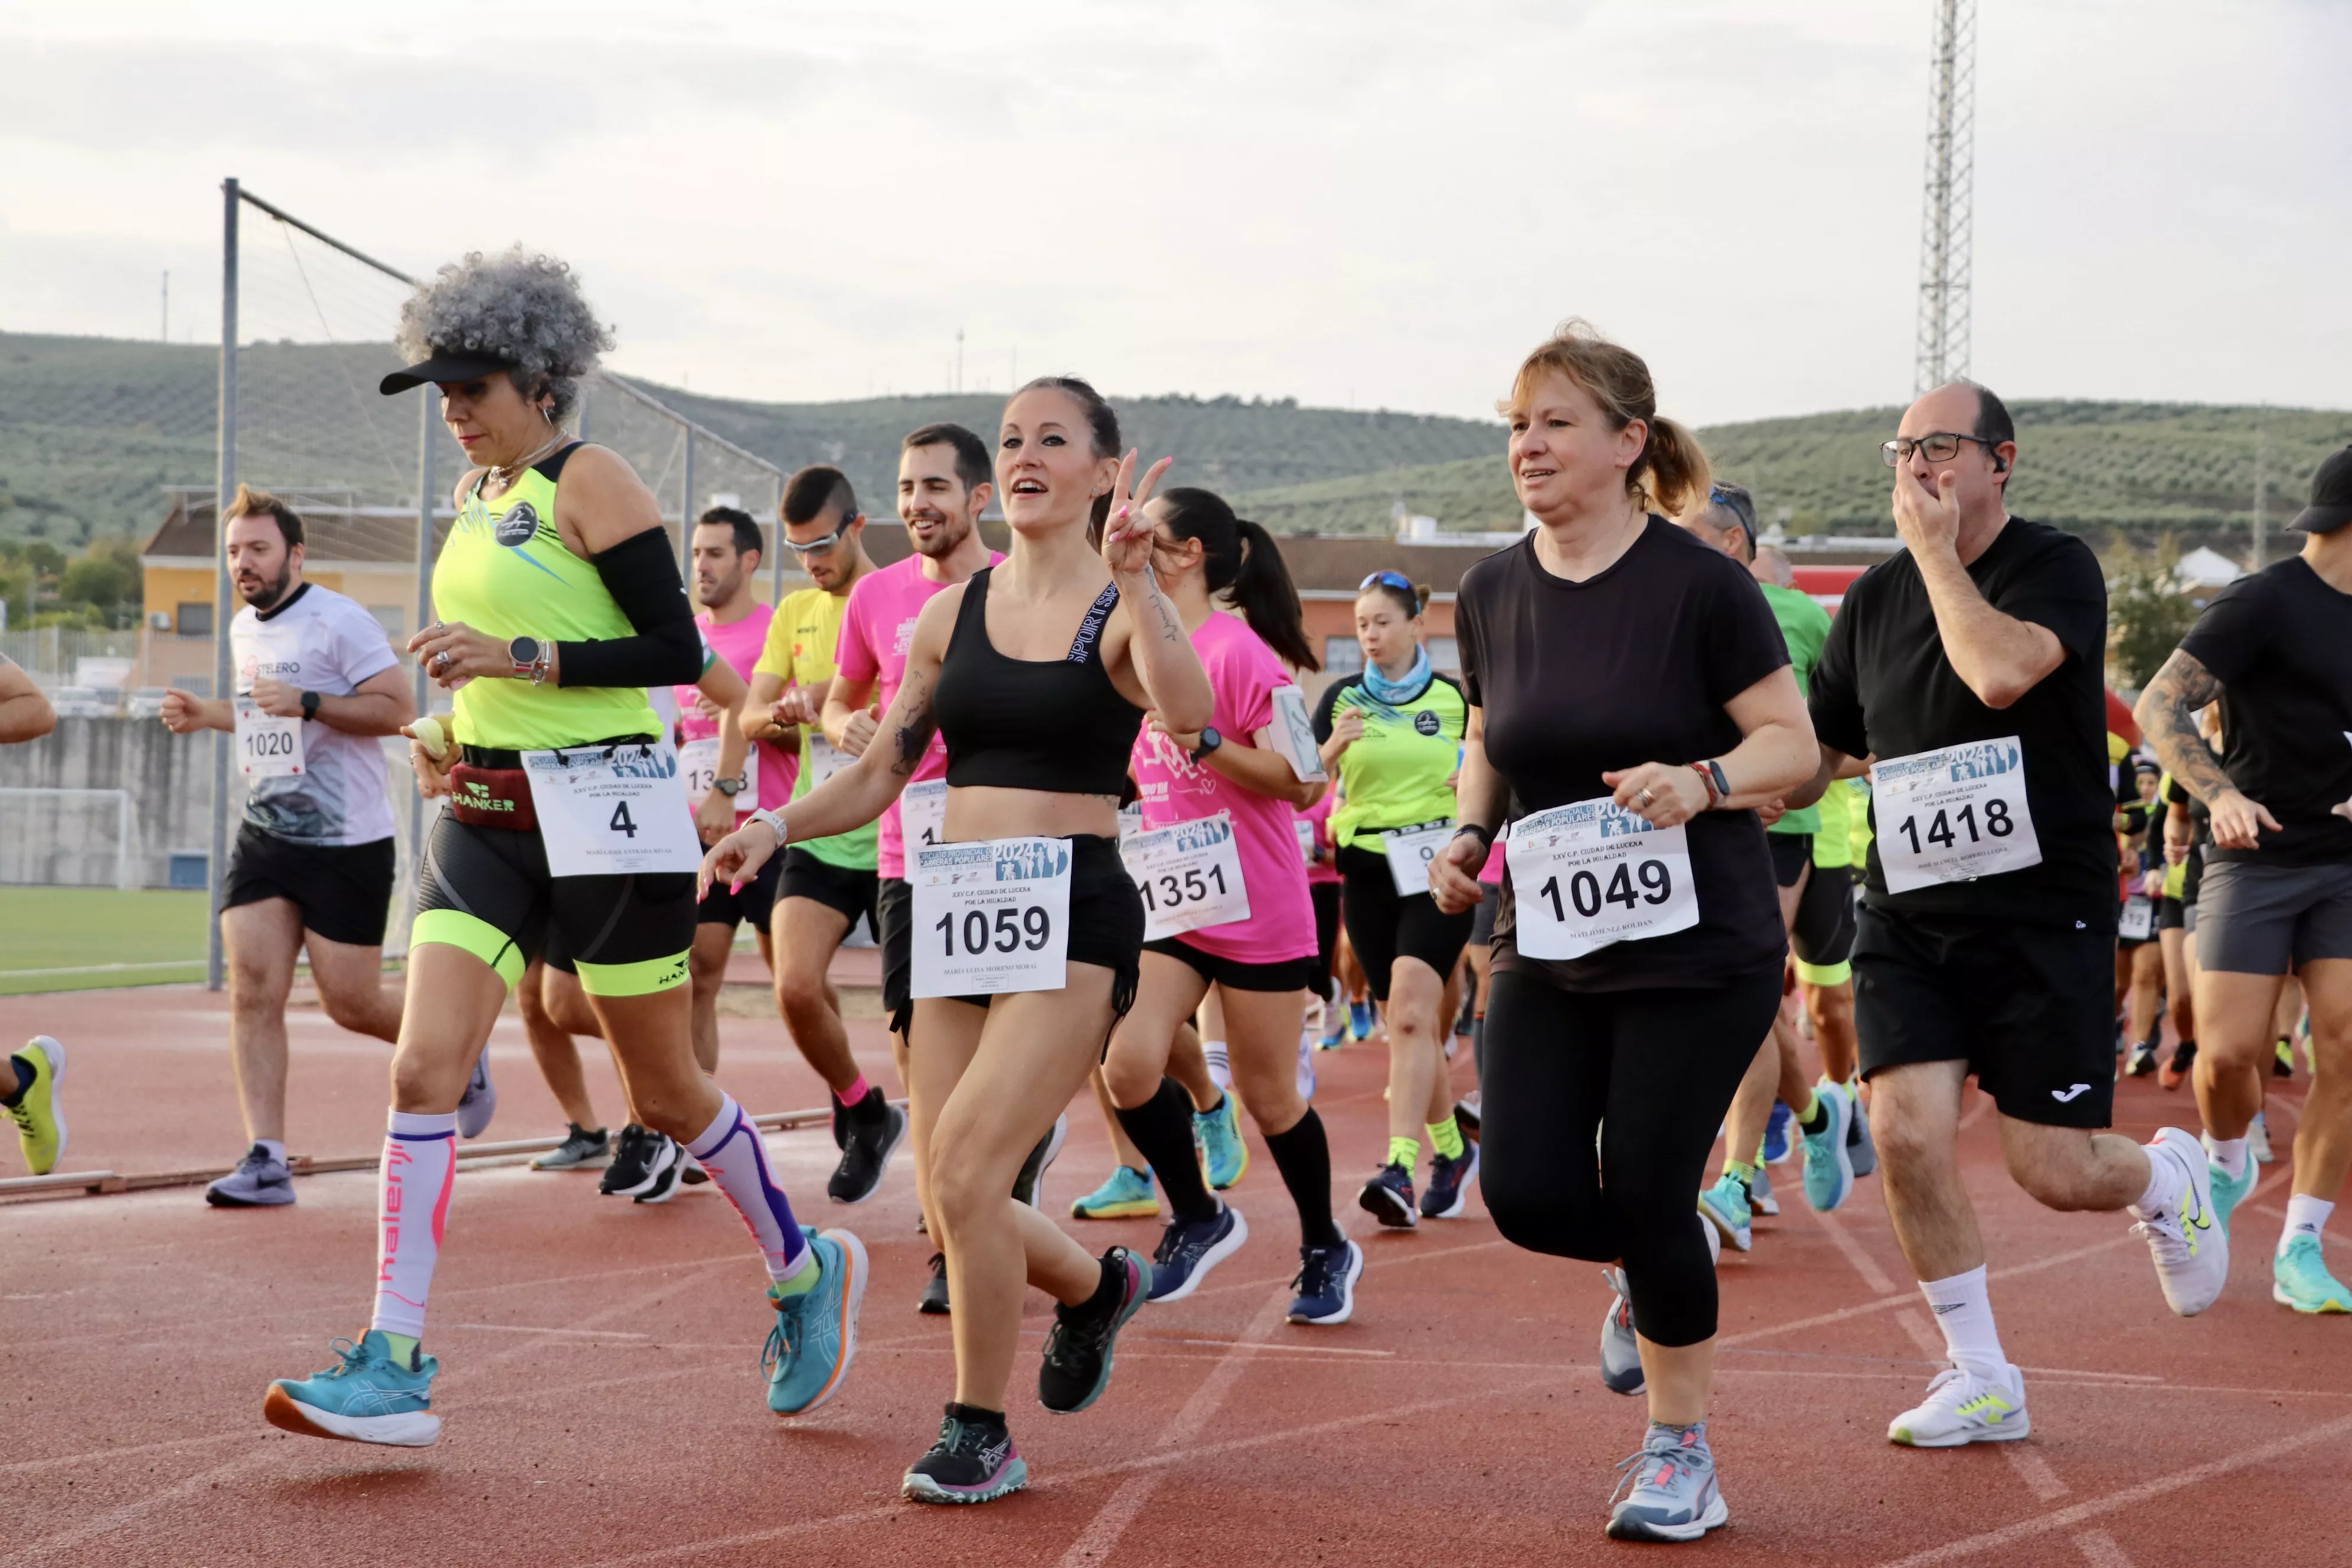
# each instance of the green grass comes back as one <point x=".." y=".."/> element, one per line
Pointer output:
<point x="80" y="928"/>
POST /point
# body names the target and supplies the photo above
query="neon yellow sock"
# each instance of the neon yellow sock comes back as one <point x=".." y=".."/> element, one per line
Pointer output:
<point x="1446" y="1138"/>
<point x="1807" y="1111"/>
<point x="1406" y="1152"/>
<point x="403" y="1349"/>
<point x="801" y="1282"/>
<point x="1744" y="1171"/>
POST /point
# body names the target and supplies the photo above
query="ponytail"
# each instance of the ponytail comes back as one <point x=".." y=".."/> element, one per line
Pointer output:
<point x="1672" y="470"/>
<point x="1240" y="560"/>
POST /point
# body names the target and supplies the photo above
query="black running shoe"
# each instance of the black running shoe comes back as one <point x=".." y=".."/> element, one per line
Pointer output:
<point x="631" y="1170"/>
<point x="1032" y="1178"/>
<point x="1466" y="1115"/>
<point x="973" y="1461"/>
<point x="690" y="1174"/>
<point x="1448" y="1192"/>
<point x="1076" y="1368"/>
<point x="1388" y="1198"/>
<point x="580" y="1147"/>
<point x="876" y="1129"/>
<point x="933" y="1302"/>
<point x="1189" y="1249"/>
<point x="668" y="1163"/>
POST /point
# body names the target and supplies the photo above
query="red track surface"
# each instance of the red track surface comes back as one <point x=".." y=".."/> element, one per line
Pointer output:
<point x="603" y="1399"/>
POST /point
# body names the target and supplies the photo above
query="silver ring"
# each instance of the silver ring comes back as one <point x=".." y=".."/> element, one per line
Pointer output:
<point x="441" y="661"/>
<point x="1642" y="799"/>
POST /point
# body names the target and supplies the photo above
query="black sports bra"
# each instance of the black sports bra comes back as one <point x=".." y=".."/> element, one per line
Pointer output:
<point x="1056" y="725"/>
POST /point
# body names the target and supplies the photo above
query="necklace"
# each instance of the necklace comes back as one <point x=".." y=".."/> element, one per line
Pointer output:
<point x="504" y="474"/>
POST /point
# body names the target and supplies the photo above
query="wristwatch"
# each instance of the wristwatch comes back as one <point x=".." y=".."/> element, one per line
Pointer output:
<point x="310" y="705"/>
<point x="525" y="654"/>
<point x="1210" y="741"/>
<point x="731" y="788"/>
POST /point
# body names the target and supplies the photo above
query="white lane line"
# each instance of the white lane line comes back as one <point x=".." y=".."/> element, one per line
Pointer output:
<point x="2034" y="1471"/>
<point x="1862" y="1262"/>
<point x="1925" y="1334"/>
<point x="2100" y="1548"/>
<point x="536" y="1332"/>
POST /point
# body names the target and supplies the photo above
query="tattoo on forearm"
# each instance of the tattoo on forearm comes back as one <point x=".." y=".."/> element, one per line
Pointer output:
<point x="1171" y="625"/>
<point x="2174" y="697"/>
<point x="915" y="731"/>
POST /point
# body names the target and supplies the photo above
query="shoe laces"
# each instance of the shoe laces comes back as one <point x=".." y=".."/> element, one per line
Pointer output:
<point x="1314" y="1275"/>
<point x="1182" y="1236"/>
<point x="1076" y="1329"/>
<point x="1669" y="1450"/>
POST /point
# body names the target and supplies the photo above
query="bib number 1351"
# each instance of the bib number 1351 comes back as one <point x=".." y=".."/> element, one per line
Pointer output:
<point x="1589" y="874"/>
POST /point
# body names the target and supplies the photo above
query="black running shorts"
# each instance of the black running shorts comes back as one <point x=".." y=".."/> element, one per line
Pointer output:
<point x="343" y="890"/>
<point x="1822" y="934"/>
<point x="1289" y="974"/>
<point x="1791" y="853"/>
<point x="845" y="890"/>
<point x="722" y="908"/>
<point x="1384" y="927"/>
<point x="1105" y="925"/>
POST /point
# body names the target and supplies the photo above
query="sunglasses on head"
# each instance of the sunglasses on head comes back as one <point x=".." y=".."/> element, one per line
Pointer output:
<point x="1387" y="579"/>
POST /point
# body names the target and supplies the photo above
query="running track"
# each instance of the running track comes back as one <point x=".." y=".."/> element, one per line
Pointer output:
<point x="603" y="1397"/>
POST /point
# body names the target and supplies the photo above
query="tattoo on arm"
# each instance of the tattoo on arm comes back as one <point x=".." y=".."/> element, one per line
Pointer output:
<point x="2174" y="697"/>
<point x="1171" y="625"/>
<point x="915" y="726"/>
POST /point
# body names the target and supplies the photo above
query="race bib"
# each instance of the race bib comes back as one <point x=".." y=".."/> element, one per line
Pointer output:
<point x="697" y="763"/>
<point x="1130" y="821"/>
<point x="613" y="811"/>
<point x="1953" y="816"/>
<point x="923" y="814"/>
<point x="2139" y="921"/>
<point x="268" y="747"/>
<point x="1189" y="874"/>
<point x="1410" y="851"/>
<point x="825" y="760"/>
<point x="1591" y="874"/>
<point x="1306" y="838"/>
<point x="990" y="917"/>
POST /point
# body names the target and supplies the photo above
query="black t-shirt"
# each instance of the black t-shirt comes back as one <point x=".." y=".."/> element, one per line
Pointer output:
<point x="1883" y="688"/>
<point x="2280" y="642"/>
<point x="1630" y="666"/>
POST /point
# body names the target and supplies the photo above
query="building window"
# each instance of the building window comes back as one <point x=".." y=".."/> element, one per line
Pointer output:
<point x="1445" y="654"/>
<point x="1343" y="656"/>
<point x="193" y="620"/>
<point x="389" y="617"/>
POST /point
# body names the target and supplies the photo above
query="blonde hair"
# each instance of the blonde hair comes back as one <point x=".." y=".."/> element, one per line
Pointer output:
<point x="1671" y="475"/>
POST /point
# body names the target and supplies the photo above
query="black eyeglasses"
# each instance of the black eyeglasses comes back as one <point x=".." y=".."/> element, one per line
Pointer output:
<point x="1392" y="579"/>
<point x="1940" y="446"/>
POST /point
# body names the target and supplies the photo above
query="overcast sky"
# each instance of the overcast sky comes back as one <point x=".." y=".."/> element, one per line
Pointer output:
<point x="1366" y="204"/>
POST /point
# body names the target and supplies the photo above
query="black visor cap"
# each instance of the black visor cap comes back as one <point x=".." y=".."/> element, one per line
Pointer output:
<point x="446" y="364"/>
<point x="2331" y="496"/>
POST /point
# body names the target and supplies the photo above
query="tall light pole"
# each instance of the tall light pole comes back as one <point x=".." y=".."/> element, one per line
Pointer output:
<point x="1948" y="206"/>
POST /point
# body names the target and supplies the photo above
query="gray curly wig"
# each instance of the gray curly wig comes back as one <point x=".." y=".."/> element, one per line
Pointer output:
<point x="521" y="307"/>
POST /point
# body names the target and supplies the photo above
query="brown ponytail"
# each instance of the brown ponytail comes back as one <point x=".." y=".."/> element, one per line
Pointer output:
<point x="1672" y="474"/>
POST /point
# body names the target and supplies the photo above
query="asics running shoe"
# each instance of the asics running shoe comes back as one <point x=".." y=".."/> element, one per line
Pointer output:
<point x="1828" y="1158"/>
<point x="1620" y="1355"/>
<point x="480" y="1101"/>
<point x="1077" y="1367"/>
<point x="1673" y="1495"/>
<point x="1032" y="1178"/>
<point x="2227" y="1193"/>
<point x="2258" y="1141"/>
<point x="1448" y="1192"/>
<point x="2142" y="1060"/>
<point x="1723" y="1206"/>
<point x="809" y="1351"/>
<point x="2299" y="1278"/>
<point x="1326" y="1283"/>
<point x="1128" y="1194"/>
<point x="40" y="1123"/>
<point x="669" y="1167"/>
<point x="1388" y="1198"/>
<point x="1859" y="1152"/>
<point x="1189" y="1249"/>
<point x="933" y="1301"/>
<point x="1761" y="1198"/>
<point x="2176" y="1069"/>
<point x="876" y="1129"/>
<point x="580" y="1147"/>
<point x="1962" y="1407"/>
<point x="2190" y="1249"/>
<point x="973" y="1461"/>
<point x="1218" y="1134"/>
<point x="368" y="1398"/>
<point x="1776" y="1134"/>
<point x="260" y="1180"/>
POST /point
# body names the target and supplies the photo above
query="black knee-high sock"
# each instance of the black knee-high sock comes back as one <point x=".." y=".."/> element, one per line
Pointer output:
<point x="1163" y="1127"/>
<point x="1303" y="1155"/>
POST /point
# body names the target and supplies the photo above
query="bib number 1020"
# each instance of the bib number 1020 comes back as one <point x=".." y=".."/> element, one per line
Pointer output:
<point x="1009" y="931"/>
<point x="1945" y="829"/>
<point x="1585" y="892"/>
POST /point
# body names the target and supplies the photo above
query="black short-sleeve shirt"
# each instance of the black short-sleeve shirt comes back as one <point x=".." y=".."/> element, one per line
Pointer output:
<point x="1632" y="665"/>
<point x="2280" y="642"/>
<point x="1884" y="689"/>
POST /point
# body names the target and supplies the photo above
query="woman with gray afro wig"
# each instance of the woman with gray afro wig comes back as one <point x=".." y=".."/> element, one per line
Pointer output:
<point x="523" y="311"/>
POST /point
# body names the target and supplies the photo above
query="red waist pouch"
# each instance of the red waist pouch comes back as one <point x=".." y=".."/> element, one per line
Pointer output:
<point x="493" y="797"/>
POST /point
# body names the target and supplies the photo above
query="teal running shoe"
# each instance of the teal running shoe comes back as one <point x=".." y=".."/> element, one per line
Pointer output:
<point x="1725" y="1207"/>
<point x="1223" y="1156"/>
<point x="2299" y="1278"/>
<point x="1829" y="1159"/>
<point x="369" y="1398"/>
<point x="1127" y="1195"/>
<point x="2227" y="1193"/>
<point x="809" y="1351"/>
<point x="1360" y="1020"/>
<point x="1335" y="1027"/>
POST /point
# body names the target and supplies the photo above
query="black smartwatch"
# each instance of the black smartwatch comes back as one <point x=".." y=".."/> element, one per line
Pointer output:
<point x="731" y="788"/>
<point x="1210" y="741"/>
<point x="523" y="653"/>
<point x="310" y="705"/>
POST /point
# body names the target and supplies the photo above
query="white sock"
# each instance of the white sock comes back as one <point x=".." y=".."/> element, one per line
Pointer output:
<point x="273" y="1148"/>
<point x="1306" y="1076"/>
<point x="1963" y="1310"/>
<point x="2161" y="1196"/>
<point x="2229" y="1154"/>
<point x="420" y="1157"/>
<point x="2306" y="1215"/>
<point x="731" y="1151"/>
<point x="1221" y="1067"/>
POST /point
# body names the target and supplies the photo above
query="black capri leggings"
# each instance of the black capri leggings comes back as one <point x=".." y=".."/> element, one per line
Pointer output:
<point x="1654" y="1072"/>
<point x="1383" y="928"/>
<point x="1326" y="932"/>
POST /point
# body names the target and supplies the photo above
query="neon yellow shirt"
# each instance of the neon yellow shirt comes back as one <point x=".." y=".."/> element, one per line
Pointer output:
<point x="802" y="637"/>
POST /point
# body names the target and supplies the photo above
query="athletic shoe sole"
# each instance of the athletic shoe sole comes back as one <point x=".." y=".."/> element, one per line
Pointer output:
<point x="1384" y="1206"/>
<point x="415" y="1429"/>
<point x="850" y="1298"/>
<point x="1624" y="1526"/>
<point x="664" y="1184"/>
<point x="223" y="1201"/>
<point x="1218" y="1252"/>
<point x="1741" y="1238"/>
<point x="1348" y="1278"/>
<point x="1008" y="1480"/>
<point x="2004" y="1433"/>
<point x="1139" y="1208"/>
<point x="882" y="1161"/>
<point x="1030" y="1182"/>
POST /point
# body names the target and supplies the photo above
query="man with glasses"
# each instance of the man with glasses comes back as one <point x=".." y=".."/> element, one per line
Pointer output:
<point x="1967" y="670"/>
<point x="828" y="884"/>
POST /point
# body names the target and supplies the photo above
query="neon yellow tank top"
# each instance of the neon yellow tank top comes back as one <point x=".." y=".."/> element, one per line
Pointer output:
<point x="504" y="570"/>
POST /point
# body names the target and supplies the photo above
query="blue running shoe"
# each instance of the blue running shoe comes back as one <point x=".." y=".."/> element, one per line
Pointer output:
<point x="973" y="1461"/>
<point x="1388" y="1198"/>
<point x="1360" y="1020"/>
<point x="1859" y="1152"/>
<point x="369" y="1398"/>
<point x="2227" y="1193"/>
<point x="1673" y="1495"/>
<point x="1448" y="1192"/>
<point x="1127" y="1195"/>
<point x="1223" y="1156"/>
<point x="1077" y="1367"/>
<point x="1776" y="1134"/>
<point x="1326" y="1283"/>
<point x="2299" y="1278"/>
<point x="1828" y="1160"/>
<point x="1335" y="1027"/>
<point x="809" y="1351"/>
<point x="1725" y="1207"/>
<point x="1189" y="1249"/>
<point x="480" y="1101"/>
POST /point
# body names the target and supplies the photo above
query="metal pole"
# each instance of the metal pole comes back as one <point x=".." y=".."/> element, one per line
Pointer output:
<point x="2262" y="497"/>
<point x="425" y="487"/>
<point x="223" y="658"/>
<point x="685" y="514"/>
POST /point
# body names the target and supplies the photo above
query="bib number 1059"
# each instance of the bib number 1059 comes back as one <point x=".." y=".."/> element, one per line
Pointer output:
<point x="1009" y="931"/>
<point x="991" y="916"/>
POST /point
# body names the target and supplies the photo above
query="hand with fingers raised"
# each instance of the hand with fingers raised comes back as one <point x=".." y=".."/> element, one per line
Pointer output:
<point x="1127" y="535"/>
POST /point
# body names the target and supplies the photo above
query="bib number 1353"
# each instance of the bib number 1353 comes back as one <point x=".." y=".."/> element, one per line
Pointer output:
<point x="1589" y="874"/>
<point x="1953" y="815"/>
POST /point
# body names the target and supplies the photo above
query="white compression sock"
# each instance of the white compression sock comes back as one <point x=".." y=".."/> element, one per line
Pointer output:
<point x="2305" y="1216"/>
<point x="2229" y="1154"/>
<point x="1963" y="1310"/>
<point x="729" y="1149"/>
<point x="1221" y="1067"/>
<point x="420" y="1157"/>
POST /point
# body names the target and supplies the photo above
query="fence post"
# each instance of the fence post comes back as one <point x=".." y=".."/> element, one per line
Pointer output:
<point x="223" y="656"/>
<point x="686" y="520"/>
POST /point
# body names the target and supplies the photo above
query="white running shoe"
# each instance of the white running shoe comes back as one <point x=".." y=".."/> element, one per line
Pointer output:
<point x="2184" y="1237"/>
<point x="2258" y="1142"/>
<point x="1962" y="1407"/>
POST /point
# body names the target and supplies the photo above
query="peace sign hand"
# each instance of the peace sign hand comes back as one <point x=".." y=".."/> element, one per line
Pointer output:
<point x="1127" y="535"/>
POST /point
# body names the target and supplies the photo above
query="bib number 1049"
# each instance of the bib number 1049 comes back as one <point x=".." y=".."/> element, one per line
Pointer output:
<point x="1589" y="874"/>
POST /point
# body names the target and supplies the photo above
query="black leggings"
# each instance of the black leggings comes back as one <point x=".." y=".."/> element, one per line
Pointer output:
<point x="1384" y="927"/>
<point x="1326" y="896"/>
<point x="1654" y="1071"/>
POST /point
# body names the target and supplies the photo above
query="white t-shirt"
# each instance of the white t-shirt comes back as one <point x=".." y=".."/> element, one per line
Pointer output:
<point x="318" y="641"/>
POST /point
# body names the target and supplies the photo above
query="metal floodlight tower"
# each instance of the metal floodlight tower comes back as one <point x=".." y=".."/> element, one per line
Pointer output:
<point x="1944" y="220"/>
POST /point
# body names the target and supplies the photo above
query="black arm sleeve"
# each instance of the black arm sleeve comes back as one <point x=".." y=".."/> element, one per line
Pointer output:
<point x="641" y="574"/>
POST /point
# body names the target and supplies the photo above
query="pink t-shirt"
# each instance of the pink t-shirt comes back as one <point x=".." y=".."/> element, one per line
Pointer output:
<point x="1491" y="873"/>
<point x="738" y="643"/>
<point x="1318" y="817"/>
<point x="1243" y="673"/>
<point x="876" y="629"/>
